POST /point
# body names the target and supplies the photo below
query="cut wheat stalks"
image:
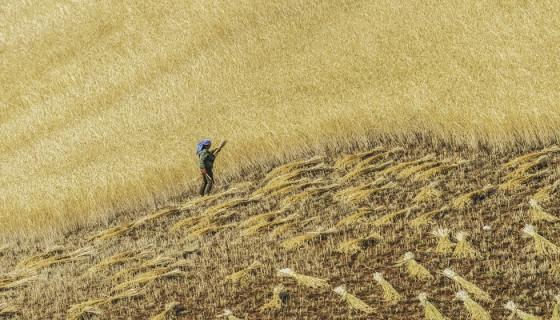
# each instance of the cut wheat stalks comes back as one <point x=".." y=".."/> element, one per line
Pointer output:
<point x="404" y="165"/>
<point x="524" y="168"/>
<point x="364" y="170"/>
<point x="171" y="311"/>
<point x="286" y="168"/>
<point x="119" y="259"/>
<point x="430" y="311"/>
<point x="158" y="214"/>
<point x="467" y="286"/>
<point x="545" y="194"/>
<point x="442" y="169"/>
<point x="408" y="172"/>
<point x="207" y="229"/>
<point x="543" y="247"/>
<point x="86" y="310"/>
<point x="475" y="310"/>
<point x="228" y="315"/>
<point x="157" y="262"/>
<point x="150" y="276"/>
<point x="426" y="218"/>
<point x="50" y="252"/>
<point x="306" y="281"/>
<point x="513" y="184"/>
<point x="351" y="159"/>
<point x="296" y="188"/>
<point x="233" y="203"/>
<point x="355" y="217"/>
<point x="516" y="313"/>
<point x="8" y="310"/>
<point x="18" y="278"/>
<point x="307" y="194"/>
<point x="413" y="268"/>
<point x="556" y="310"/>
<point x="360" y="196"/>
<point x="298" y="241"/>
<point x="112" y="232"/>
<point x="530" y="157"/>
<point x="279" y="297"/>
<point x="428" y="194"/>
<point x="259" y="218"/>
<point x="463" y="248"/>
<point x="444" y="245"/>
<point x="243" y="276"/>
<point x="537" y="213"/>
<point x="295" y="174"/>
<point x="353" y="302"/>
<point x="278" y="223"/>
<point x="77" y="255"/>
<point x="388" y="218"/>
<point x="389" y="293"/>
<point x="279" y="187"/>
<point x="468" y="199"/>
<point x="354" y="246"/>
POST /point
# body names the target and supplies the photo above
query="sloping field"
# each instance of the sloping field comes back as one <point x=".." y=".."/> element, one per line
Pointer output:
<point x="101" y="102"/>
<point x="387" y="223"/>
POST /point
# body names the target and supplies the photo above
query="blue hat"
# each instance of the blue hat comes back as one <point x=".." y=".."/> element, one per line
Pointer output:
<point x="202" y="144"/>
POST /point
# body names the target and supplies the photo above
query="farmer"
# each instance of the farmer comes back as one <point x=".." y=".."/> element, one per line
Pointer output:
<point x="206" y="163"/>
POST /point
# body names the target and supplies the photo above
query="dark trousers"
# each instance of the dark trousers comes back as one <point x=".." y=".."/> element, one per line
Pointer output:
<point x="207" y="182"/>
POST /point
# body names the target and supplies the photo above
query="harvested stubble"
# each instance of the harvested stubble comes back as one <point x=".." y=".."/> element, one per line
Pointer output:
<point x="8" y="310"/>
<point x="158" y="214"/>
<point x="468" y="199"/>
<point x="413" y="268"/>
<point x="389" y="293"/>
<point x="279" y="298"/>
<point x="90" y="309"/>
<point x="355" y="217"/>
<point x="444" y="244"/>
<point x="291" y="176"/>
<point x="530" y="157"/>
<point x="467" y="286"/>
<point x="228" y="315"/>
<point x="442" y="169"/>
<point x="279" y="186"/>
<point x="306" y="281"/>
<point x="39" y="263"/>
<point x="119" y="259"/>
<point x="157" y="262"/>
<point x="513" y="184"/>
<point x="545" y="194"/>
<point x="475" y="310"/>
<point x="428" y="194"/>
<point x="417" y="169"/>
<point x="243" y="276"/>
<point x="351" y="159"/>
<point x="307" y="194"/>
<point x="18" y="278"/>
<point x="298" y="187"/>
<point x="543" y="247"/>
<point x="388" y="218"/>
<point x="353" y="302"/>
<point x="430" y="311"/>
<point x="524" y="168"/>
<point x="363" y="170"/>
<point x="233" y="203"/>
<point x="463" y="248"/>
<point x="356" y="194"/>
<point x="556" y="310"/>
<point x="209" y="198"/>
<point x="262" y="225"/>
<point x="354" y="246"/>
<point x="260" y="218"/>
<point x="287" y="168"/>
<point x="112" y="232"/>
<point x="149" y="276"/>
<point x="172" y="310"/>
<point x="516" y="313"/>
<point x="404" y="165"/>
<point x="537" y="213"/>
<point x="186" y="223"/>
<point x="426" y="218"/>
<point x="298" y="241"/>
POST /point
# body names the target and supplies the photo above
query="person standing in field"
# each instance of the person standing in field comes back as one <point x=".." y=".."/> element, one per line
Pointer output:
<point x="206" y="164"/>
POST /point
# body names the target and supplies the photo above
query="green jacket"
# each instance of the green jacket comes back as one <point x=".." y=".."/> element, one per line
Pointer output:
<point x="206" y="158"/>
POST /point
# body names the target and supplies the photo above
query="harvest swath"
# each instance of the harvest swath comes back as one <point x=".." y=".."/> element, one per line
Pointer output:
<point x="254" y="250"/>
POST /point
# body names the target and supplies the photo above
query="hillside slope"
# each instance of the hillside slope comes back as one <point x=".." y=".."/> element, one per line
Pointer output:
<point x="339" y="218"/>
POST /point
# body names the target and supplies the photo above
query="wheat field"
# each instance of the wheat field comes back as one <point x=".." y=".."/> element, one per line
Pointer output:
<point x="103" y="101"/>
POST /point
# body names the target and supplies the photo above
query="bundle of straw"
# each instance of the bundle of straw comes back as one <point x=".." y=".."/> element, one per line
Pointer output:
<point x="426" y="218"/>
<point x="279" y="297"/>
<point x="545" y="194"/>
<point x="537" y="213"/>
<point x="286" y="168"/>
<point x="467" y="200"/>
<point x="430" y="311"/>
<point x="530" y="157"/>
<point x="412" y="170"/>
<point x="243" y="276"/>
<point x="476" y="311"/>
<point x="388" y="218"/>
<point x="297" y="241"/>
<point x="86" y="310"/>
<point x="172" y="310"/>
<point x="389" y="293"/>
<point x="8" y="310"/>
<point x="354" y="246"/>
<point x="351" y="159"/>
<point x="403" y="165"/>
<point x="413" y="268"/>
<point x="463" y="249"/>
<point x="228" y="314"/>
<point x="304" y="280"/>
<point x="467" y="286"/>
<point x="362" y="170"/>
<point x="428" y="194"/>
<point x="515" y="312"/>
<point x="444" y="245"/>
<point x="354" y="217"/>
<point x="543" y="247"/>
<point x="353" y="301"/>
<point x="556" y="310"/>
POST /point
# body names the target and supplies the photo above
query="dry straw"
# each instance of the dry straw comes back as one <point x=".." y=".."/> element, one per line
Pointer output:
<point x="444" y="244"/>
<point x="426" y="218"/>
<point x="228" y="315"/>
<point x="413" y="268"/>
<point x="442" y="169"/>
<point x="543" y="247"/>
<point x="537" y="213"/>
<point x="351" y="159"/>
<point x="430" y="311"/>
<point x="364" y="170"/>
<point x="545" y="194"/>
<point x="467" y="200"/>
<point x="8" y="310"/>
<point x="171" y="312"/>
<point x="287" y="168"/>
<point x="354" y="246"/>
<point x="463" y="249"/>
<point x="304" y="280"/>
<point x="353" y="302"/>
<point x="354" y="217"/>
<point x="404" y="165"/>
<point x="556" y="310"/>
<point x="530" y="157"/>
<point x="469" y="287"/>
<point x="428" y="194"/>
<point x="519" y="314"/>
<point x="279" y="297"/>
<point x="389" y="293"/>
<point x="298" y="241"/>
<point x="388" y="218"/>
<point x="243" y="276"/>
<point x="148" y="277"/>
<point x="476" y="311"/>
